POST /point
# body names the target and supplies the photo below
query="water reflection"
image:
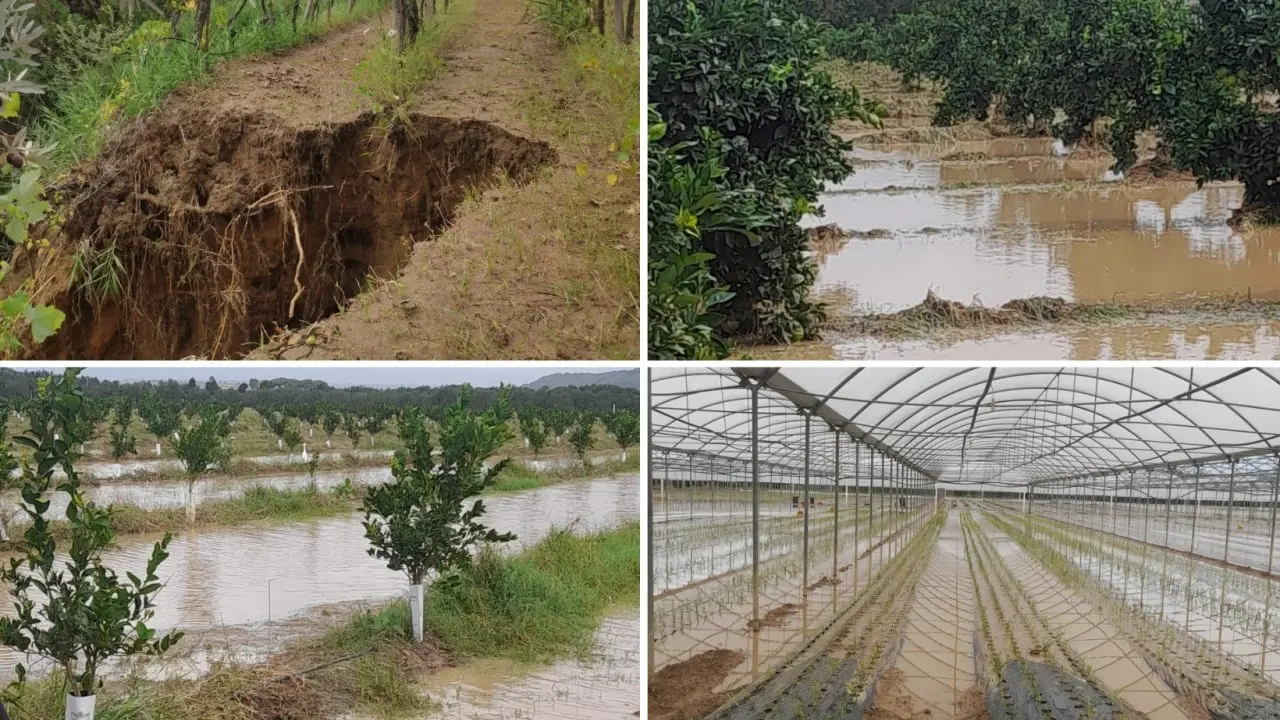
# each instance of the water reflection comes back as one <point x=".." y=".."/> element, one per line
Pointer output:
<point x="996" y="242"/>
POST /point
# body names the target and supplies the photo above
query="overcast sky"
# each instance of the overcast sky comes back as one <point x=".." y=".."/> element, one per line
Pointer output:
<point x="340" y="375"/>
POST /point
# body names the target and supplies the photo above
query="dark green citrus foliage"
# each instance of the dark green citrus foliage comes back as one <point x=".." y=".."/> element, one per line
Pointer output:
<point x="686" y="199"/>
<point x="419" y="522"/>
<point x="69" y="607"/>
<point x="1202" y="75"/>
<point x="742" y="108"/>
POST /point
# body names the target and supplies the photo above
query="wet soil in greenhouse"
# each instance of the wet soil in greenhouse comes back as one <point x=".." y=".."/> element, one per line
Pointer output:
<point x="249" y="215"/>
<point x="1148" y="267"/>
<point x="686" y="690"/>
<point x="912" y="646"/>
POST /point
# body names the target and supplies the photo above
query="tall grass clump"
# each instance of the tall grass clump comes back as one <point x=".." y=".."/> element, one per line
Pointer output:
<point x="543" y="603"/>
<point x="388" y="79"/>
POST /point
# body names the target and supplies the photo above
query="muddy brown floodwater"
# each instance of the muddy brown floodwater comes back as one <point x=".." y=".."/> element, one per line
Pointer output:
<point x="1008" y="238"/>
<point x="604" y="685"/>
<point x="983" y="219"/>
<point x="238" y="591"/>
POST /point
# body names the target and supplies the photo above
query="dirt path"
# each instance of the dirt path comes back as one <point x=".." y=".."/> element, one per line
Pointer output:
<point x="934" y="675"/>
<point x="273" y="199"/>
<point x="514" y="276"/>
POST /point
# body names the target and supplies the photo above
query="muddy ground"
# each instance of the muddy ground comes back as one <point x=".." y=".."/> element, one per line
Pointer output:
<point x="976" y="221"/>
<point x="964" y="623"/>
<point x="271" y="215"/>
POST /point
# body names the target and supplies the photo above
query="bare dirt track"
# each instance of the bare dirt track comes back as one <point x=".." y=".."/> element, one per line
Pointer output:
<point x="271" y="215"/>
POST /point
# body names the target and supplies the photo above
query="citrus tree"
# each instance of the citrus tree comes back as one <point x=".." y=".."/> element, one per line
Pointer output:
<point x="424" y="521"/>
<point x="121" y="439"/>
<point x="69" y="606"/>
<point x="21" y="202"/>
<point x="201" y="445"/>
<point x="740" y="96"/>
<point x="581" y="437"/>
<point x="533" y="430"/>
<point x="624" y="426"/>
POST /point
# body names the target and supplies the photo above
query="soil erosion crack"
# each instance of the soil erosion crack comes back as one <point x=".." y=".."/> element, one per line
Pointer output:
<point x="225" y="228"/>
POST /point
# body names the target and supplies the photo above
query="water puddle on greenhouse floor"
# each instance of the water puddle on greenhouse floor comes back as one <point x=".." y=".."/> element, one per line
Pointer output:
<point x="242" y="591"/>
<point x="985" y="222"/>
<point x="605" y="684"/>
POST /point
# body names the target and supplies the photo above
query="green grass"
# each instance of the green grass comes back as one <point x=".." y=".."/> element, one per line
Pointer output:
<point x="543" y="603"/>
<point x="387" y="79"/>
<point x="148" y="67"/>
<point x="256" y="504"/>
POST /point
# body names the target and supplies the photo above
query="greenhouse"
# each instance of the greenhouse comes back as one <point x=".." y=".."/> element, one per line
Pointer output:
<point x="951" y="542"/>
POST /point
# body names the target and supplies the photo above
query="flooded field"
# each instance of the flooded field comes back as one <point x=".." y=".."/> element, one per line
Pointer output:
<point x="107" y="470"/>
<point x="982" y="220"/>
<point x="244" y="592"/>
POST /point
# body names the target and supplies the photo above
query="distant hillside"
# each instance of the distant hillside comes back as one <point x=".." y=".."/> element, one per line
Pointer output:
<point x="621" y="378"/>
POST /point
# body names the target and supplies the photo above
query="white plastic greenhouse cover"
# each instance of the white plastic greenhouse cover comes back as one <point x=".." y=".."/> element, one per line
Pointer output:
<point x="973" y="425"/>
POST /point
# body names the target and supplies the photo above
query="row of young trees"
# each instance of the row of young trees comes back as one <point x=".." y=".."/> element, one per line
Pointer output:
<point x="425" y="522"/>
<point x="538" y="426"/>
<point x="1203" y="75"/>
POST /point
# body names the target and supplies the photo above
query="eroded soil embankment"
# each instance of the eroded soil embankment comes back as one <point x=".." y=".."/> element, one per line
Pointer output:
<point x="224" y="228"/>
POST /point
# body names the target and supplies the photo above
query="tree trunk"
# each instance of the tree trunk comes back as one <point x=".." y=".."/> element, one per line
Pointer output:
<point x="203" y="8"/>
<point x="296" y="7"/>
<point x="618" y="13"/>
<point x="351" y="6"/>
<point x="175" y="19"/>
<point x="408" y="22"/>
<point x="268" y="16"/>
<point x="191" y="502"/>
<point x="416" y="611"/>
<point x="600" y="17"/>
<point x="631" y="20"/>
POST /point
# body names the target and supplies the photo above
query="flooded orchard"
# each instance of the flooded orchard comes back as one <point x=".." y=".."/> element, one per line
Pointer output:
<point x="982" y="219"/>
<point x="244" y="593"/>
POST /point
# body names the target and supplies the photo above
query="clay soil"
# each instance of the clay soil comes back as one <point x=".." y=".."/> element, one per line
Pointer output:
<point x="684" y="690"/>
<point x="269" y="214"/>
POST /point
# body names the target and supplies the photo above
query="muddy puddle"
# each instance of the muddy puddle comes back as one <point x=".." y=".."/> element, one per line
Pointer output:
<point x="605" y="684"/>
<point x="106" y="470"/>
<point x="986" y="222"/>
<point x="235" y="591"/>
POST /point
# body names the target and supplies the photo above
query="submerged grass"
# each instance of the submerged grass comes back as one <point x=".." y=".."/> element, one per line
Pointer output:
<point x="255" y="504"/>
<point x="543" y="603"/>
<point x="259" y="503"/>
<point x="518" y="476"/>
<point x="149" y="66"/>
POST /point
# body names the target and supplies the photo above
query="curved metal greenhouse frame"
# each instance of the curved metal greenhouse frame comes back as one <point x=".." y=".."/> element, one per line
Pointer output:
<point x="781" y="492"/>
